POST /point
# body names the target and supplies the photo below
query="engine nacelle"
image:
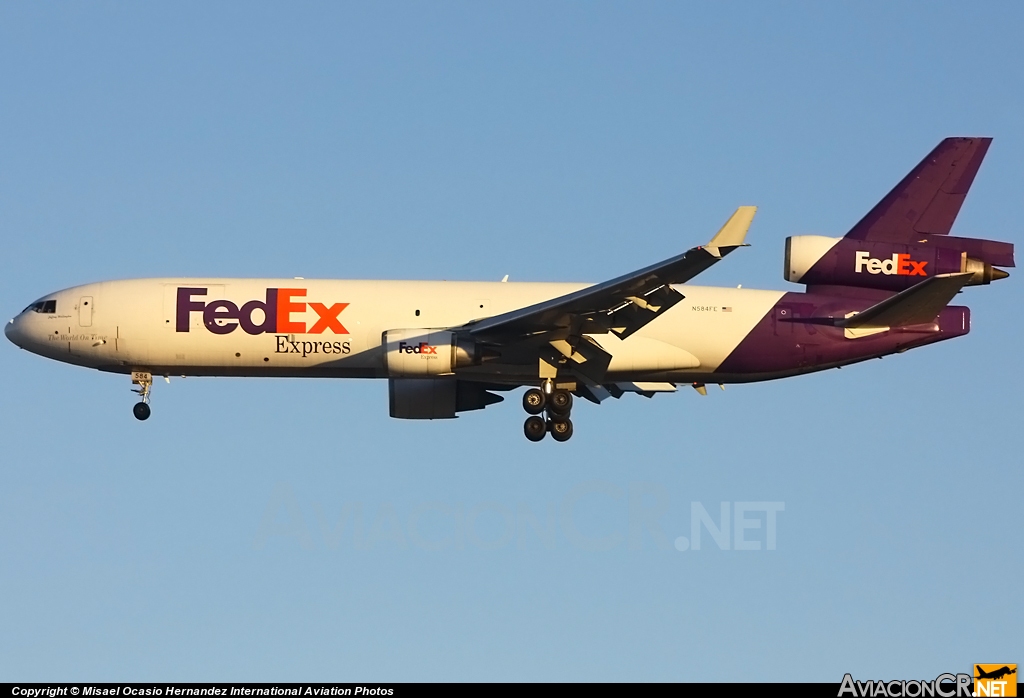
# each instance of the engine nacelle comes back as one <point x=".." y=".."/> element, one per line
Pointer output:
<point x="436" y="398"/>
<point x="426" y="352"/>
<point x="892" y="266"/>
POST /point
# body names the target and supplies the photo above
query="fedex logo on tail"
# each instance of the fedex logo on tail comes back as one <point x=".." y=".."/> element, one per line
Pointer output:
<point x="900" y="264"/>
<point x="273" y="315"/>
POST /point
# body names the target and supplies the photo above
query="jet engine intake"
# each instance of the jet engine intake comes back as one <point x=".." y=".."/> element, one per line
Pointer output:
<point x="428" y="352"/>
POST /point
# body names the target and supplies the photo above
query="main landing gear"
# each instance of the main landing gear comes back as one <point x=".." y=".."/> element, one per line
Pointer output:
<point x="557" y="404"/>
<point x="145" y="382"/>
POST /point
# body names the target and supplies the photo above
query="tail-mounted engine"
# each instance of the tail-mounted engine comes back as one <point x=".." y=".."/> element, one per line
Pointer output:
<point x="425" y="352"/>
<point x="814" y="259"/>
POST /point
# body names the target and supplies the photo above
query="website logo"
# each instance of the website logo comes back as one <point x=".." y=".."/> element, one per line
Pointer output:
<point x="995" y="680"/>
<point x="942" y="686"/>
<point x="272" y="315"/>
<point x="998" y="680"/>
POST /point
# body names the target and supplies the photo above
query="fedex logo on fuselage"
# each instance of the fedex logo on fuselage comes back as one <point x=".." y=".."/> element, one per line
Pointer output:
<point x="273" y="315"/>
<point x="900" y="264"/>
<point x="422" y="348"/>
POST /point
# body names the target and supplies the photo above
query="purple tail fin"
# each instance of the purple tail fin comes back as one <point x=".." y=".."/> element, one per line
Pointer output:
<point x="928" y="199"/>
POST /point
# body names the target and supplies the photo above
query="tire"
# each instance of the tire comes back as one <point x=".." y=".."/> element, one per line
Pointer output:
<point x="561" y="429"/>
<point x="535" y="428"/>
<point x="560" y="403"/>
<point x="534" y="401"/>
<point x="141" y="411"/>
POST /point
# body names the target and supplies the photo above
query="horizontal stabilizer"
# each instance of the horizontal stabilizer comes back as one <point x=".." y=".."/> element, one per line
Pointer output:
<point x="929" y="198"/>
<point x="918" y="305"/>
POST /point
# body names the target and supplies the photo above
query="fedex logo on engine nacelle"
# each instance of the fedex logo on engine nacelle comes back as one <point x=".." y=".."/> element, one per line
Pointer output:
<point x="223" y="316"/>
<point x="900" y="264"/>
<point x="421" y="348"/>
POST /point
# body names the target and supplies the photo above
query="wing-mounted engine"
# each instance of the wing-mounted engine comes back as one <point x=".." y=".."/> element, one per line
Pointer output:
<point x="436" y="398"/>
<point x="430" y="352"/>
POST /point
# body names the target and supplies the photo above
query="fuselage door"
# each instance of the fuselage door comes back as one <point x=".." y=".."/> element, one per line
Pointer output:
<point x="85" y="311"/>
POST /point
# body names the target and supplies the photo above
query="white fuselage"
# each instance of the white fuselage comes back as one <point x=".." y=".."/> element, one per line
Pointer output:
<point x="142" y="324"/>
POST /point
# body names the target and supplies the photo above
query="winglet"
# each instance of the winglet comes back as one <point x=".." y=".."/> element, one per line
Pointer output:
<point x="734" y="232"/>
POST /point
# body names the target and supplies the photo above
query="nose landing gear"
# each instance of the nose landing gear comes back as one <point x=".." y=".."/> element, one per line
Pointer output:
<point x="141" y="411"/>
<point x="557" y="403"/>
<point x="144" y="380"/>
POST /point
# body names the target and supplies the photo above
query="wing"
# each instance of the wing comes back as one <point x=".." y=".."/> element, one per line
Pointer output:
<point x="621" y="306"/>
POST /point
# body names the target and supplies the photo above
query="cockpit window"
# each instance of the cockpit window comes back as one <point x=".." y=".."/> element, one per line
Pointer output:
<point x="45" y="307"/>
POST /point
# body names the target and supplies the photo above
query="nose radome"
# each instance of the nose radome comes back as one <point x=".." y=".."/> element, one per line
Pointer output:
<point x="13" y="332"/>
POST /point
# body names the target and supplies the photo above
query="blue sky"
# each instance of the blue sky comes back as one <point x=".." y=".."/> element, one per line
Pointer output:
<point x="469" y="141"/>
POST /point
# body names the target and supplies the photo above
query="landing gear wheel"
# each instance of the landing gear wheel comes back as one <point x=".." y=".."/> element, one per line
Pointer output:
<point x="560" y="403"/>
<point x="534" y="401"/>
<point x="535" y="428"/>
<point x="143" y="379"/>
<point x="561" y="429"/>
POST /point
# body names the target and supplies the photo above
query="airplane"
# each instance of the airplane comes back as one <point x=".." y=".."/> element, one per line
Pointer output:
<point x="448" y="347"/>
<point x="996" y="674"/>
